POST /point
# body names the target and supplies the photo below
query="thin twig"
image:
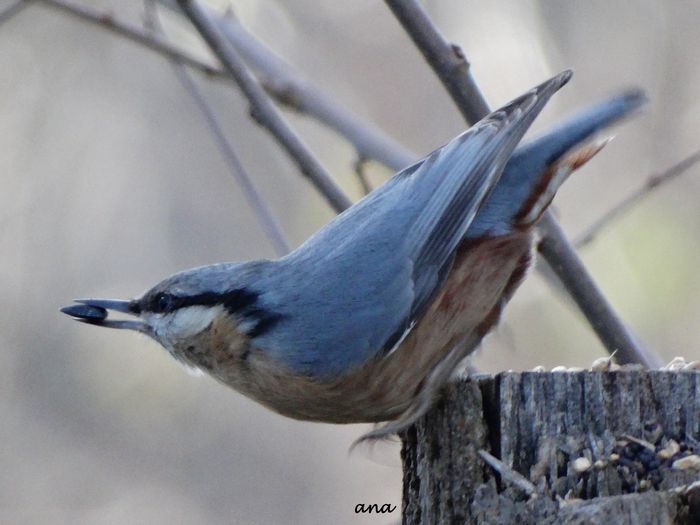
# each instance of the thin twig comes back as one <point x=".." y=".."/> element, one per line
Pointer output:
<point x="631" y="200"/>
<point x="289" y="87"/>
<point x="134" y="33"/>
<point x="641" y="442"/>
<point x="12" y="9"/>
<point x="451" y="67"/>
<point x="446" y="59"/>
<point x="285" y="84"/>
<point x="265" y="217"/>
<point x="590" y="299"/>
<point x="507" y="474"/>
<point x="262" y="108"/>
<point x="359" y="167"/>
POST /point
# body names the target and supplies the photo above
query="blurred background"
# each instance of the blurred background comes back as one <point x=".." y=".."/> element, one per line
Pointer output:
<point x="111" y="181"/>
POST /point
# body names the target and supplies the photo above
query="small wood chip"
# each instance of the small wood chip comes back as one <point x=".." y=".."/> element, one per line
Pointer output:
<point x="508" y="474"/>
<point x="638" y="441"/>
<point x="687" y="463"/>
<point x="671" y="449"/>
<point x="677" y="363"/>
<point x="605" y="364"/>
<point x="692" y="366"/>
<point x="581" y="465"/>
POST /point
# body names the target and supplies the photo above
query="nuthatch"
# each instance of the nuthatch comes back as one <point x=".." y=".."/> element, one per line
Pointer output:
<point x="369" y="318"/>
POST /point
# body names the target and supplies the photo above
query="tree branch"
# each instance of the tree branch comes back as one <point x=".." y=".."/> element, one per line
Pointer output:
<point x="447" y="60"/>
<point x="12" y="9"/>
<point x="450" y="65"/>
<point x="265" y="217"/>
<point x="134" y="33"/>
<point x="262" y="108"/>
<point x="653" y="182"/>
<point x="359" y="167"/>
<point x="562" y="259"/>
<point x="281" y="81"/>
<point x="292" y="89"/>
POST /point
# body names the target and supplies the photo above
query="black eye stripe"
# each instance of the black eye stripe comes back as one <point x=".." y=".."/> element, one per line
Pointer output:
<point x="234" y="301"/>
<point x="165" y="301"/>
<point x="162" y="302"/>
<point x="239" y="302"/>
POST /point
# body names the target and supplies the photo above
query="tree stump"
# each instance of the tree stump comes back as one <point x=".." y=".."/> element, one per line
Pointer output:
<point x="561" y="447"/>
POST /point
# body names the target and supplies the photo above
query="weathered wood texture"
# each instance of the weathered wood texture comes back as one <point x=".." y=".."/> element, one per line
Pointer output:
<point x="638" y="432"/>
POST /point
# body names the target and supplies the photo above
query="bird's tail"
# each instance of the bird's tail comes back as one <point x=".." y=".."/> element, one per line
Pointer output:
<point x="537" y="169"/>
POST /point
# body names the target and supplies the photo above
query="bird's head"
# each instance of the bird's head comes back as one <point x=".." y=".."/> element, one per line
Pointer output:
<point x="184" y="307"/>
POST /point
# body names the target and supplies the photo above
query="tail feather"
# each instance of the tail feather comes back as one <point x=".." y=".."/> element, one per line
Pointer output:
<point x="537" y="169"/>
<point x="554" y="176"/>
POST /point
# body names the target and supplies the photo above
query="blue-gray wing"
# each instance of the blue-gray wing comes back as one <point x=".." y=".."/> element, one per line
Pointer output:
<point x="354" y="289"/>
<point x="529" y="164"/>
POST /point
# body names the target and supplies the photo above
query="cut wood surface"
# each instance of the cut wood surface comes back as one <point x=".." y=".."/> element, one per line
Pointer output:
<point x="558" y="447"/>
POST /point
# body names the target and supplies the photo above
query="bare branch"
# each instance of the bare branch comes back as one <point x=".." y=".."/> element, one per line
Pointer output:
<point x="285" y="84"/>
<point x="447" y="60"/>
<point x="359" y="167"/>
<point x="12" y="9"/>
<point x="451" y="67"/>
<point x="134" y="33"/>
<point x="292" y="89"/>
<point x="265" y="217"/>
<point x="179" y="58"/>
<point x="653" y="182"/>
<point x="262" y="108"/>
<point x="589" y="298"/>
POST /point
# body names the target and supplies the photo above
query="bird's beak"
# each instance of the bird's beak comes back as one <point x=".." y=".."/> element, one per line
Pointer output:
<point x="95" y="311"/>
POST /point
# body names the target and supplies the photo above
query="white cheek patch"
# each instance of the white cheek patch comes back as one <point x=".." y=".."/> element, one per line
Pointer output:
<point x="188" y="322"/>
<point x="172" y="330"/>
<point x="183" y="323"/>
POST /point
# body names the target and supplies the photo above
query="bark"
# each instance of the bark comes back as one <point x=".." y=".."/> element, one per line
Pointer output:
<point x="576" y="447"/>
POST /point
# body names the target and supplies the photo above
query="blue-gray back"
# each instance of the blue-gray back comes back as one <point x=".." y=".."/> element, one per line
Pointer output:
<point x="355" y="287"/>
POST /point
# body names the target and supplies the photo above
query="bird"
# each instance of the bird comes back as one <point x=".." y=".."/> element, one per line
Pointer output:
<point x="371" y="316"/>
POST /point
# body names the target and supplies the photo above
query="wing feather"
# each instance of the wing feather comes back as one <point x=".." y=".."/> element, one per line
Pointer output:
<point x="363" y="281"/>
<point x="461" y="175"/>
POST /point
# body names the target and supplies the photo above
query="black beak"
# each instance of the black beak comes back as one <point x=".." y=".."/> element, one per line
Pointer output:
<point x="95" y="311"/>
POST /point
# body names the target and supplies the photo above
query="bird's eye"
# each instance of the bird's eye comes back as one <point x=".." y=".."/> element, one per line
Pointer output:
<point x="163" y="302"/>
